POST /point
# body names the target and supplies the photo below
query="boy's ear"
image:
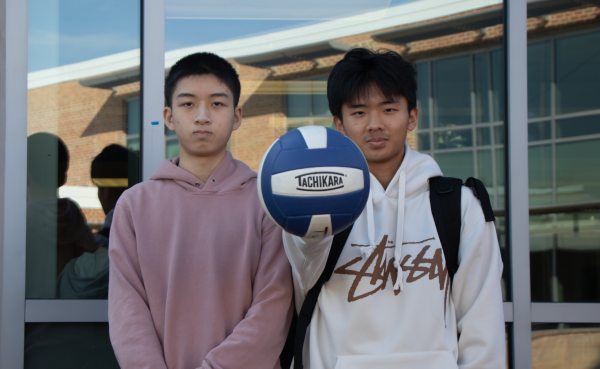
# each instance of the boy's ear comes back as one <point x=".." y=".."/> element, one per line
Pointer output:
<point x="339" y="125"/>
<point x="412" y="119"/>
<point x="168" y="116"/>
<point x="237" y="117"/>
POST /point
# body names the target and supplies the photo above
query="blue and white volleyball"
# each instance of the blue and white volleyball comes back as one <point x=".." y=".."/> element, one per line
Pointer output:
<point x="313" y="182"/>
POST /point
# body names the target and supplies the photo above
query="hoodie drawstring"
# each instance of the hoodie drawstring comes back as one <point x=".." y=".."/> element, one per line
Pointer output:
<point x="368" y="250"/>
<point x="400" y="231"/>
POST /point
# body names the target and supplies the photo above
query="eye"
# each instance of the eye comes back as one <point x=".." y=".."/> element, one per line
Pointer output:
<point x="218" y="103"/>
<point x="187" y="104"/>
<point x="358" y="113"/>
<point x="389" y="110"/>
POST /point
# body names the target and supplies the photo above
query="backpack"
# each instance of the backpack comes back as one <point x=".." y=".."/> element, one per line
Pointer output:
<point x="445" y="197"/>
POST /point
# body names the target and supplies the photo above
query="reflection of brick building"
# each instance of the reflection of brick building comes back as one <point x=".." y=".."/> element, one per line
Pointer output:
<point x="90" y="118"/>
<point x="566" y="348"/>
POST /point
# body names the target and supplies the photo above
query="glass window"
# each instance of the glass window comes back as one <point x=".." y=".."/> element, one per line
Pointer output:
<point x="452" y="92"/>
<point x="423" y="94"/>
<point x="539" y="61"/>
<point x="577" y="78"/>
<point x="424" y="144"/>
<point x="484" y="136"/>
<point x="457" y="165"/>
<point x="453" y="139"/>
<point x="485" y="167"/>
<point x="580" y="126"/>
<point x="68" y="345"/>
<point x="307" y="103"/>
<point x="564" y="175"/>
<point x="497" y="78"/>
<point x="83" y="141"/>
<point x="540" y="175"/>
<point x="481" y="70"/>
<point x="539" y="131"/>
<point x="577" y="174"/>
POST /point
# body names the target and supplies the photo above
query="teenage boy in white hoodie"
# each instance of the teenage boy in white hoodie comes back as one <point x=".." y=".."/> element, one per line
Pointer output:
<point x="390" y="302"/>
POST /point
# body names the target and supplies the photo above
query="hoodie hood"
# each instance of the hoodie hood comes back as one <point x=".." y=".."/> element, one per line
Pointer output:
<point x="230" y="175"/>
<point x="411" y="179"/>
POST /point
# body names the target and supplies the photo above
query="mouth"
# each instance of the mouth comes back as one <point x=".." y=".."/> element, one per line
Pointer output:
<point x="202" y="134"/>
<point x="377" y="141"/>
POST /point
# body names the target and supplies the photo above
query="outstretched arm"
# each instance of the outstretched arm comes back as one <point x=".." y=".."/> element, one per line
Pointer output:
<point x="258" y="339"/>
<point x="132" y="332"/>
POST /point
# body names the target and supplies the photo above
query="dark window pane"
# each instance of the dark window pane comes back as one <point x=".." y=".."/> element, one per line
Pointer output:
<point x="499" y="135"/>
<point x="452" y="92"/>
<point x="319" y="97"/>
<point x="483" y="136"/>
<point x="539" y="78"/>
<point x="482" y="87"/>
<point x="457" y="165"/>
<point x="579" y="126"/>
<point x="423" y="94"/>
<point x="539" y="131"/>
<point x="500" y="177"/>
<point x="565" y="256"/>
<point x="577" y="171"/>
<point x="172" y="149"/>
<point x="577" y="76"/>
<point x="453" y="139"/>
<point x="298" y="105"/>
<point x="565" y="345"/>
<point x="497" y="57"/>
<point x="423" y="140"/>
<point x="68" y="345"/>
<point x="540" y="175"/>
<point x="485" y="170"/>
<point x="133" y="116"/>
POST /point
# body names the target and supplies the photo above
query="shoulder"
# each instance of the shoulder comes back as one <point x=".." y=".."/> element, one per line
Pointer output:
<point x="471" y="210"/>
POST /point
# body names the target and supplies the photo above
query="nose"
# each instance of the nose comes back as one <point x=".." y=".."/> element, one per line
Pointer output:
<point x="374" y="122"/>
<point x="202" y="115"/>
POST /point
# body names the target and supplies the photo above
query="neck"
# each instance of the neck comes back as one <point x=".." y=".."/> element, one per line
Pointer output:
<point x="385" y="171"/>
<point x="200" y="166"/>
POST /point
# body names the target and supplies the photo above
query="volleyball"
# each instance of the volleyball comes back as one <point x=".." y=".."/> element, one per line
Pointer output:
<point x="313" y="182"/>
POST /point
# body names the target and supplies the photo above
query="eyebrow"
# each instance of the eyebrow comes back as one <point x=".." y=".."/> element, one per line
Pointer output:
<point x="356" y="105"/>
<point x="361" y="104"/>
<point x="219" y="94"/>
<point x="186" y="94"/>
<point x="216" y="94"/>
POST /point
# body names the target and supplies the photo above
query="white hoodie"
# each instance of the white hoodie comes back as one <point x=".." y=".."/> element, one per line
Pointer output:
<point x="362" y="321"/>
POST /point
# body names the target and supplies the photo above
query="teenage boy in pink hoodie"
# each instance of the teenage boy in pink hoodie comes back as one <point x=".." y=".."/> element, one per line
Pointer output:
<point x="198" y="273"/>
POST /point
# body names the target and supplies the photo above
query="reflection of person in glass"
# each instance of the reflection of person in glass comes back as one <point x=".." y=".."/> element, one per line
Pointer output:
<point x="57" y="230"/>
<point x="87" y="275"/>
<point x="198" y="274"/>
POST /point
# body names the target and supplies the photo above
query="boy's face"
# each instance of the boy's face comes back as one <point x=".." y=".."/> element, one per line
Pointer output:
<point x="378" y="126"/>
<point x="202" y="115"/>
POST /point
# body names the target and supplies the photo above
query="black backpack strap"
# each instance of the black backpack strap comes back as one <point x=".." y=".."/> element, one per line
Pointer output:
<point x="287" y="353"/>
<point x="444" y="196"/>
<point x="310" y="302"/>
<point x="484" y="198"/>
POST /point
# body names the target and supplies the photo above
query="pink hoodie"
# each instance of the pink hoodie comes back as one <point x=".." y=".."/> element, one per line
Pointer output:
<point x="198" y="273"/>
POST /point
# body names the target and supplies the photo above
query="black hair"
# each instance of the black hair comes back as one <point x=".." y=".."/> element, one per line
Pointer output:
<point x="112" y="162"/>
<point x="46" y="151"/>
<point x="199" y="64"/>
<point x="362" y="69"/>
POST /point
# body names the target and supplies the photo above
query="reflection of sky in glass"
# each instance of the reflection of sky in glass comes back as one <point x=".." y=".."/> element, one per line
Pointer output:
<point x="69" y="31"/>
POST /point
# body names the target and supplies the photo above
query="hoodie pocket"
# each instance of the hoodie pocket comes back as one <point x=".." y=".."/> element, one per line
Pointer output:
<point x="413" y="360"/>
